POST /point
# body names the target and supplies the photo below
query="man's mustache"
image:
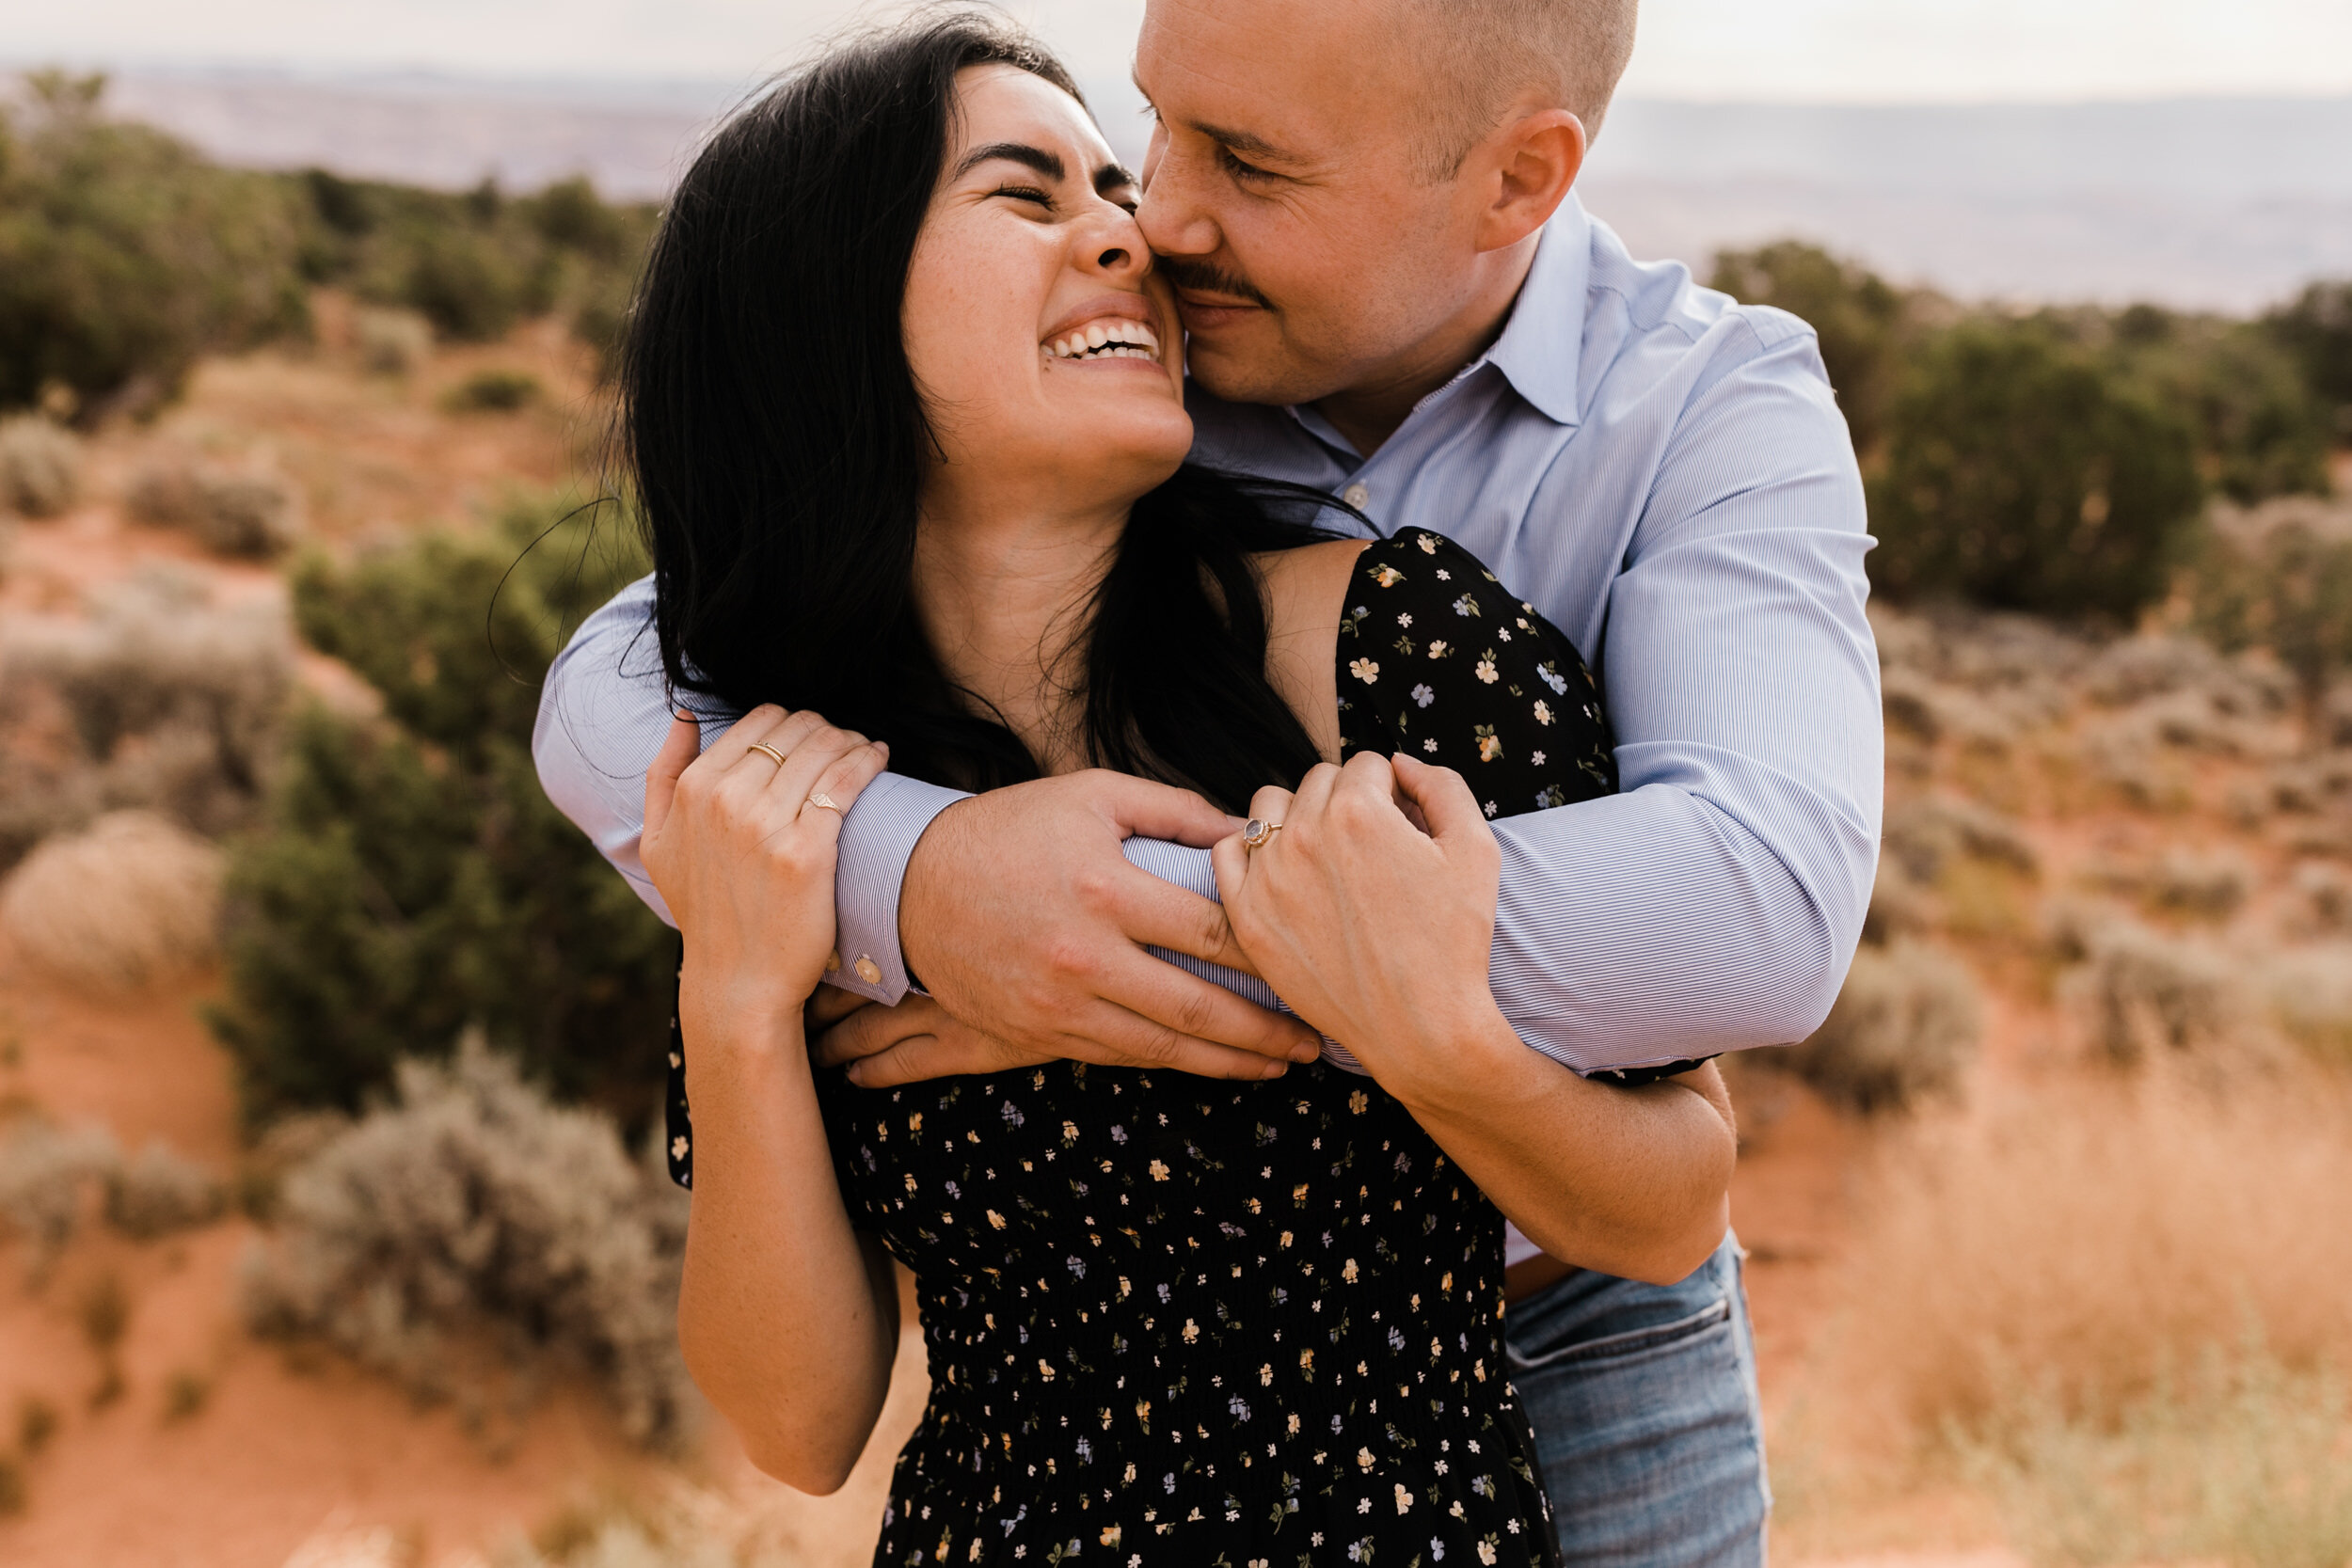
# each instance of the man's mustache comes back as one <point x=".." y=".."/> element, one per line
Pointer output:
<point x="1202" y="277"/>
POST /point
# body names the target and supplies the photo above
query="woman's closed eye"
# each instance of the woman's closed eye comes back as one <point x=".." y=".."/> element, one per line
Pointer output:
<point x="1037" y="194"/>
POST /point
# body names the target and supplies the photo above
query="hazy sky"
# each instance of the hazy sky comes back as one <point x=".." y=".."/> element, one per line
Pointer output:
<point x="1846" y="49"/>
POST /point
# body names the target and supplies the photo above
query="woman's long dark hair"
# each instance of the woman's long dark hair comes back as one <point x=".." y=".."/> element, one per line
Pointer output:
<point x="778" y="444"/>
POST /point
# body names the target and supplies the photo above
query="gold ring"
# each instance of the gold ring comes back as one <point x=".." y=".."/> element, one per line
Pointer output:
<point x="824" y="801"/>
<point x="763" y="746"/>
<point x="1257" y="831"/>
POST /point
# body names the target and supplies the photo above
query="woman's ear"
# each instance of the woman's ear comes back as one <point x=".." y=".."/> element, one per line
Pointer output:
<point x="1532" y="163"/>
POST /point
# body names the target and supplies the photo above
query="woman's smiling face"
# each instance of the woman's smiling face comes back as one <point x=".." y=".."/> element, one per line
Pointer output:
<point x="1046" y="352"/>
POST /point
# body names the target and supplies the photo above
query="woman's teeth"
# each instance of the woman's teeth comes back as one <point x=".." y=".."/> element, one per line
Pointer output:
<point x="1107" y="340"/>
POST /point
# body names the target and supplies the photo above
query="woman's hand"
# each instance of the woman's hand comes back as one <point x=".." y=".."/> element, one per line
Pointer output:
<point x="1375" y="932"/>
<point x="1379" y="935"/>
<point x="744" y="858"/>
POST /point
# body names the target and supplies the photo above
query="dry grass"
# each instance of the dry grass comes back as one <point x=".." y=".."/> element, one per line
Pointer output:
<point x="132" y="901"/>
<point x="2068" y="1252"/>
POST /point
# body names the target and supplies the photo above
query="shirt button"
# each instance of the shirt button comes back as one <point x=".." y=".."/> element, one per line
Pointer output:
<point x="832" y="961"/>
<point x="868" y="971"/>
<point x="1356" y="495"/>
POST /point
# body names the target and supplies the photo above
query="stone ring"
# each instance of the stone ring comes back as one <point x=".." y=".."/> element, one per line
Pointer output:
<point x="1257" y="831"/>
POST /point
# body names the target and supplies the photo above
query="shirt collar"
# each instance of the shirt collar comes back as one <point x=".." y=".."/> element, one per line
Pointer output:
<point x="1543" y="339"/>
<point x="1541" y="342"/>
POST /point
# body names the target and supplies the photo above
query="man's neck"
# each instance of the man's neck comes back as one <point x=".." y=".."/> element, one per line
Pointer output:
<point x="1369" y="412"/>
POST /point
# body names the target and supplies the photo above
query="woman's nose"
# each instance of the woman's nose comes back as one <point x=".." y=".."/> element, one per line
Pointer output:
<point x="1117" y="247"/>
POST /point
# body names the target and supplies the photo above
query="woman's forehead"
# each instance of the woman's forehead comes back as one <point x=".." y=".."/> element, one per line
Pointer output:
<point x="1005" y="104"/>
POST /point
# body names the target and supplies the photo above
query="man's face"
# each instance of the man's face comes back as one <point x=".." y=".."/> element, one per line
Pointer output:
<point x="1285" y="197"/>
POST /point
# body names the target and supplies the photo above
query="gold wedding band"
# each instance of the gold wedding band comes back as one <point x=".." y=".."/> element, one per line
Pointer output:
<point x="763" y="746"/>
<point x="1257" y="831"/>
<point x="824" y="801"/>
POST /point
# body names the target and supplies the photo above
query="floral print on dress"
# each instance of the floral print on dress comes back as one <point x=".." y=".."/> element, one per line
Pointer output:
<point x="1174" y="1321"/>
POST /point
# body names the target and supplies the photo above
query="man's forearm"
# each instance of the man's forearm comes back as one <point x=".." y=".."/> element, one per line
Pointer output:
<point x="603" y="714"/>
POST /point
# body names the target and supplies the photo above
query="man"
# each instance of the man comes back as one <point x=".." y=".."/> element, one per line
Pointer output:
<point x="1392" y="294"/>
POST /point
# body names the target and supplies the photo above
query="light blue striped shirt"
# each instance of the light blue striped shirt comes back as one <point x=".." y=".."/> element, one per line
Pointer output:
<point x="1665" y="475"/>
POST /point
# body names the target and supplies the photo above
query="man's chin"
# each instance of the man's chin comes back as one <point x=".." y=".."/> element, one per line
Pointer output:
<point x="1233" y="372"/>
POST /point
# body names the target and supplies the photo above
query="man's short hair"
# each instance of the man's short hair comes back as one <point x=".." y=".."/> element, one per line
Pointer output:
<point x="1488" y="52"/>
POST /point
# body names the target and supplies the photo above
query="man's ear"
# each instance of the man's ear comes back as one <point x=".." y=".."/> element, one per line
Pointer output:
<point x="1531" y="162"/>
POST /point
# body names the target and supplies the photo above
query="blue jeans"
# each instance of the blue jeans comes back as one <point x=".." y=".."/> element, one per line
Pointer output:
<point x="1647" y="1424"/>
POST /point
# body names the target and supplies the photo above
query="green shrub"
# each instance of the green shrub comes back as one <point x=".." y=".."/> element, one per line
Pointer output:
<point x="413" y="879"/>
<point x="2259" y="431"/>
<point x="2316" y="329"/>
<point x="473" y="1208"/>
<point x="2024" y="474"/>
<point x="1857" y="315"/>
<point x="123" y="256"/>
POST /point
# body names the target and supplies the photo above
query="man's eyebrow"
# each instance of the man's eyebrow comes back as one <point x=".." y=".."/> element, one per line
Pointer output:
<point x="1241" y="142"/>
<point x="1045" y="163"/>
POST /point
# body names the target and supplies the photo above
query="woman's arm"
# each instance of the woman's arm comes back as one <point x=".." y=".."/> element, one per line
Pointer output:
<point x="1379" y="935"/>
<point x="787" y="1315"/>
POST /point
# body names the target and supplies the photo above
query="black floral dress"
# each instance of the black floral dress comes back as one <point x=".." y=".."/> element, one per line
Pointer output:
<point x="1184" y="1322"/>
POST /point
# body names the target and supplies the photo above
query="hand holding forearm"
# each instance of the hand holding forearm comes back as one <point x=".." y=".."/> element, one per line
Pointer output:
<point x="1379" y="934"/>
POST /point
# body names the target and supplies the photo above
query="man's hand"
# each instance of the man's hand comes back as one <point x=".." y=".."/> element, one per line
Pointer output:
<point x="884" y="1046"/>
<point x="1022" y="918"/>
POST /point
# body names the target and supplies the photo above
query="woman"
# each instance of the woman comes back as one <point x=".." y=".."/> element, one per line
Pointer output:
<point x="906" y="417"/>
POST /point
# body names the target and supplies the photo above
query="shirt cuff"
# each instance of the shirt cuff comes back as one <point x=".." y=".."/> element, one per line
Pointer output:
<point x="877" y="838"/>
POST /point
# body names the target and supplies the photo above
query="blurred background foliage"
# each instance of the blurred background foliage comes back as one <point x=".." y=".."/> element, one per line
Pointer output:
<point x="125" y="255"/>
<point x="411" y="879"/>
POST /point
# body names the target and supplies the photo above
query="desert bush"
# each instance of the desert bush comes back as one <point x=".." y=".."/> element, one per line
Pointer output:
<point x="1857" y="316"/>
<point x="2287" y="588"/>
<point x="2069" y="1250"/>
<point x="472" y="1207"/>
<point x="132" y="901"/>
<point x="158" y="1191"/>
<point x="2147" y="995"/>
<point x="253" y="517"/>
<point x="40" y="466"/>
<point x="492" y="391"/>
<point x="45" y="1171"/>
<point x="157" y="701"/>
<point x="1926" y="835"/>
<point x="2022" y="473"/>
<point x="2208" y="886"/>
<point x="413" y="878"/>
<point x="390" y="342"/>
<point x="2327" y="893"/>
<point x="124" y="255"/>
<point x="1904" y="1027"/>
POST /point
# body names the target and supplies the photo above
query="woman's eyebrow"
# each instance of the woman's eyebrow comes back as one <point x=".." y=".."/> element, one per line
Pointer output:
<point x="1037" y="158"/>
<point x="1112" y="177"/>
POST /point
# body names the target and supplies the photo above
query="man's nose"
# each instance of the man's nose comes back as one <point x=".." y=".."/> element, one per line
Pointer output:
<point x="1173" y="220"/>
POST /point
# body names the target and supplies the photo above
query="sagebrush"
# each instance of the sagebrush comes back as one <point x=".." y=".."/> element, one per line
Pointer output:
<point x="471" y="1225"/>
